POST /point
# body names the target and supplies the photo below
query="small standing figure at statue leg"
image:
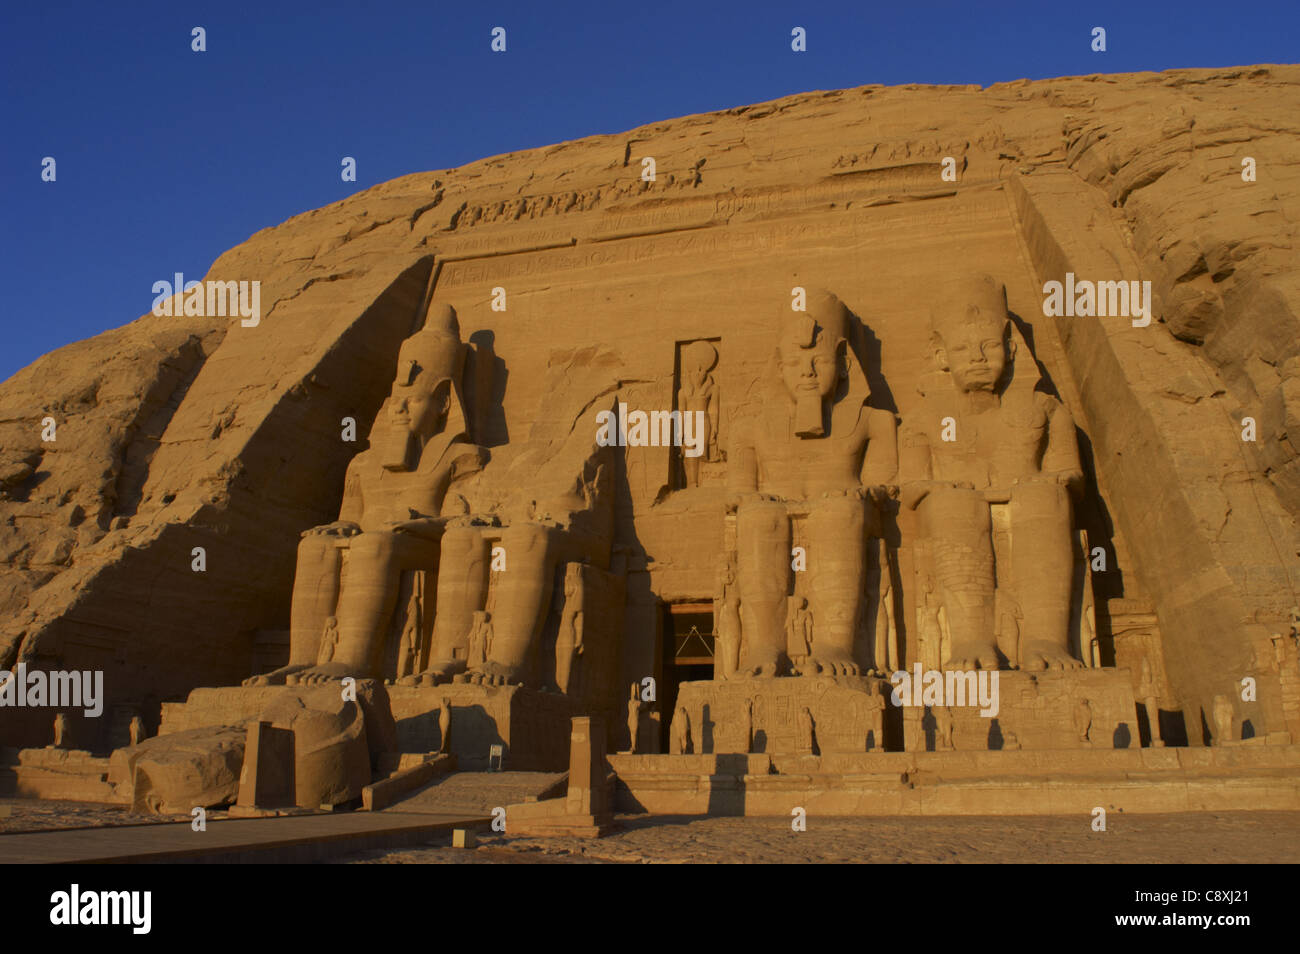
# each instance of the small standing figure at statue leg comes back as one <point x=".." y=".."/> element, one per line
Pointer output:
<point x="681" y="732"/>
<point x="444" y="726"/>
<point x="634" y="719"/>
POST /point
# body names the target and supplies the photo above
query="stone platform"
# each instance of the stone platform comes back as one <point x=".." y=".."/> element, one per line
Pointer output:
<point x="1035" y="710"/>
<point x="1231" y="778"/>
<point x="1078" y="709"/>
<point x="848" y="714"/>
<point x="531" y="726"/>
<point x="69" y="774"/>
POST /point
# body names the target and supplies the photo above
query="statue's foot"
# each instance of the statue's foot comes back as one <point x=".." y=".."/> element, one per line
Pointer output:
<point x="758" y="664"/>
<point x="493" y="674"/>
<point x="323" y="673"/>
<point x="973" y="655"/>
<point x="276" y="677"/>
<point x="833" y="662"/>
<point x="437" y="673"/>
<point x="1039" y="654"/>
<point x="441" y="671"/>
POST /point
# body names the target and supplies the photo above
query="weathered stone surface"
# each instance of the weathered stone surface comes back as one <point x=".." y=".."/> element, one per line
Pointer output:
<point x="177" y="773"/>
<point x="177" y="433"/>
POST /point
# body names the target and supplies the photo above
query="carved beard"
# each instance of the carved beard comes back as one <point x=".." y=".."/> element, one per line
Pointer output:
<point x="401" y="449"/>
<point x="808" y="415"/>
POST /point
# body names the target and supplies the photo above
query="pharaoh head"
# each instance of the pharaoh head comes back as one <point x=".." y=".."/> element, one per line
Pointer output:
<point x="813" y="359"/>
<point x="426" y="390"/>
<point x="971" y="334"/>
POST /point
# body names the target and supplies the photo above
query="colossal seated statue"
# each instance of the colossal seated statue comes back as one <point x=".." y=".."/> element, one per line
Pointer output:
<point x="991" y="438"/>
<point x="416" y="501"/>
<point x="814" y="453"/>
<point x="348" y="572"/>
<point x="528" y="518"/>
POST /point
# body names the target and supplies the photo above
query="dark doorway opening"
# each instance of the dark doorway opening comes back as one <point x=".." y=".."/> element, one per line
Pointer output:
<point x="688" y="657"/>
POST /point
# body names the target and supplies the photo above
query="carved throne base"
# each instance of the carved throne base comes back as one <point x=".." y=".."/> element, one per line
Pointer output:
<point x="532" y="727"/>
<point x="846" y="711"/>
<point x="1036" y="711"/>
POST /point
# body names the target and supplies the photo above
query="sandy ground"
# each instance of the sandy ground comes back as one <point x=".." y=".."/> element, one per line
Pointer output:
<point x="28" y="814"/>
<point x="1227" y="838"/>
<point x="1220" y="838"/>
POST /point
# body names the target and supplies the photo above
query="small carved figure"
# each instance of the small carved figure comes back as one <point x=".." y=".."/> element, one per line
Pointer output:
<point x="747" y="724"/>
<point x="798" y="629"/>
<point x="478" y="640"/>
<point x="876" y="705"/>
<point x="681" y="732"/>
<point x="726" y="612"/>
<point x="1153" y="720"/>
<point x="699" y="392"/>
<point x="328" y="641"/>
<point x="444" y="725"/>
<point x="1083" y="720"/>
<point x="410" y="657"/>
<point x="807" y="732"/>
<point x="634" y="718"/>
<point x="943" y="726"/>
<point x="135" y="731"/>
<point x="568" y="643"/>
<point x="1223" y="720"/>
<point x="60" y="730"/>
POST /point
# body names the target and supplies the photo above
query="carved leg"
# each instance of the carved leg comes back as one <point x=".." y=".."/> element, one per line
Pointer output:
<point x="564" y="646"/>
<point x="837" y="565"/>
<point x="1153" y="720"/>
<point x="763" y="575"/>
<point x="522" y="599"/>
<point x="365" y="609"/>
<point x="462" y="590"/>
<point x="315" y="595"/>
<point x="956" y="521"/>
<point x="1041" y="567"/>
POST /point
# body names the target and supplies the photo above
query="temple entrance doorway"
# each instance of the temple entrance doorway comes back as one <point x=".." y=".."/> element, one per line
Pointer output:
<point x="688" y="657"/>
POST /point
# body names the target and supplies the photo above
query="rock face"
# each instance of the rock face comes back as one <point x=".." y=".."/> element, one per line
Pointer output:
<point x="575" y="280"/>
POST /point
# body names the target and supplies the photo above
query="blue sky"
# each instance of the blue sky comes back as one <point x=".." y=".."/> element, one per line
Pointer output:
<point x="167" y="157"/>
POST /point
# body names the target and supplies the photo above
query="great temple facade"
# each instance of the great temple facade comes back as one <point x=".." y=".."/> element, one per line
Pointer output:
<point x="775" y="465"/>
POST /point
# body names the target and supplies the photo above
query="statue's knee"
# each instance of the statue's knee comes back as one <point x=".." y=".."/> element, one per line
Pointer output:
<point x="1041" y="498"/>
<point x="315" y="547"/>
<point x="524" y="539"/>
<point x="955" y="509"/>
<point x="843" y="515"/>
<point x="763" y="517"/>
<point x="373" y="546"/>
<point x="461" y="543"/>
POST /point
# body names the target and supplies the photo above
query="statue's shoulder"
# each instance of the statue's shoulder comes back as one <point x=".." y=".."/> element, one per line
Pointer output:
<point x="879" y="421"/>
<point x="360" y="463"/>
<point x="1051" y="406"/>
<point x="457" y="453"/>
<point x="1030" y="407"/>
